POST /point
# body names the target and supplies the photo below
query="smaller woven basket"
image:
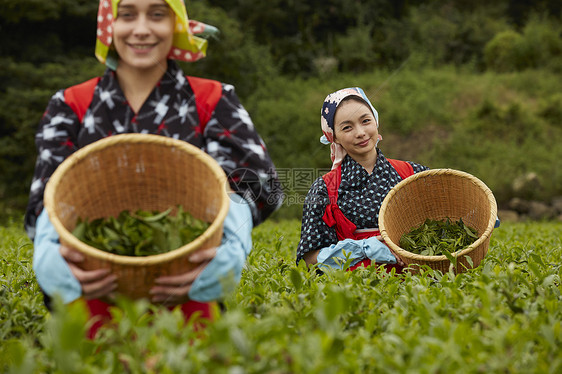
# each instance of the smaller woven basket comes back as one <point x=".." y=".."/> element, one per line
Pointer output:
<point x="131" y="172"/>
<point x="439" y="194"/>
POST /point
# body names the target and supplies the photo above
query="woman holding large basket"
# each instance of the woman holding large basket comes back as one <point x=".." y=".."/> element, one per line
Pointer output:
<point x="340" y="224"/>
<point x="341" y="210"/>
<point x="144" y="91"/>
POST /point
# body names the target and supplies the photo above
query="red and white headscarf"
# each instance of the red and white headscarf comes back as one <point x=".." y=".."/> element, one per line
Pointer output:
<point x="185" y="47"/>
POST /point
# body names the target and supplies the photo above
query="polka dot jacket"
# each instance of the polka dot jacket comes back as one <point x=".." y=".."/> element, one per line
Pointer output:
<point x="170" y="110"/>
<point x="360" y="197"/>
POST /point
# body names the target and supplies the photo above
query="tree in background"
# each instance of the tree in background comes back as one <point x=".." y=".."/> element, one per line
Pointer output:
<point x="43" y="48"/>
<point x="268" y="47"/>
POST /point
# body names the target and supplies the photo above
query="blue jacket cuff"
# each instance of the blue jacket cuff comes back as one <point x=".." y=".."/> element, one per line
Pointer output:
<point x="223" y="272"/>
<point x="51" y="270"/>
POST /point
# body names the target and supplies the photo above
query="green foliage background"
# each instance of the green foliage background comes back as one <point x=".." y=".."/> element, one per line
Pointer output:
<point x="471" y="85"/>
<point x="503" y="317"/>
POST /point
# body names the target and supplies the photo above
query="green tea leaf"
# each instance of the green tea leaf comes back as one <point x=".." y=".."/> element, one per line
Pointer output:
<point x="434" y="238"/>
<point x="142" y="233"/>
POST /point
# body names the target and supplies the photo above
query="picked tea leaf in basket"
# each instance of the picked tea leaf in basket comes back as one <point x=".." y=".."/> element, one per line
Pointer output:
<point x="142" y="233"/>
<point x="138" y="172"/>
<point x="439" y="194"/>
<point x="438" y="237"/>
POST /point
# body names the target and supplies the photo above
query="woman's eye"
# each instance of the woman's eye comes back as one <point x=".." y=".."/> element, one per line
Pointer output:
<point x="126" y="15"/>
<point x="158" y="15"/>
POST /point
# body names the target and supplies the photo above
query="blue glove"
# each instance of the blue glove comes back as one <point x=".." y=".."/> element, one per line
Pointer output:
<point x="335" y="255"/>
<point x="51" y="269"/>
<point x="231" y="254"/>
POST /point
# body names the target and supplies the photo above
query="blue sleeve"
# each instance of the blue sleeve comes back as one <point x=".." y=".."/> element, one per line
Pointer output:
<point x="378" y="251"/>
<point x="51" y="270"/>
<point x="226" y="268"/>
<point x="334" y="256"/>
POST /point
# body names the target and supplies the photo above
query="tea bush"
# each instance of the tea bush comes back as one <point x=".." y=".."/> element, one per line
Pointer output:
<point x="22" y="312"/>
<point x="494" y="126"/>
<point x="504" y="316"/>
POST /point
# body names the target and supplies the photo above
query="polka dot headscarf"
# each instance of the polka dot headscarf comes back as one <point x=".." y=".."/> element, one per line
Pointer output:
<point x="186" y="46"/>
<point x="331" y="103"/>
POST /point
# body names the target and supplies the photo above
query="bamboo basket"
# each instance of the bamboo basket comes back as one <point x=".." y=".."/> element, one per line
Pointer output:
<point x="130" y="172"/>
<point x="439" y="194"/>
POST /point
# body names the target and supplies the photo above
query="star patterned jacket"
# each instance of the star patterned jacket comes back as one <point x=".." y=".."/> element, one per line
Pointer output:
<point x="360" y="197"/>
<point x="229" y="136"/>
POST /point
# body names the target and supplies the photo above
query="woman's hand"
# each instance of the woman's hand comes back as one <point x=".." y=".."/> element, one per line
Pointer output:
<point x="398" y="259"/>
<point x="173" y="290"/>
<point x="95" y="284"/>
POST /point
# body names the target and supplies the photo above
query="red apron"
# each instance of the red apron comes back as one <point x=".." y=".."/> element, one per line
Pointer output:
<point x="345" y="229"/>
<point x="100" y="311"/>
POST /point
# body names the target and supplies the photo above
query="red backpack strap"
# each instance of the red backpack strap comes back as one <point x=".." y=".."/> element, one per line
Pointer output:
<point x="333" y="180"/>
<point x="207" y="94"/>
<point x="333" y="216"/>
<point x="403" y="168"/>
<point x="79" y="97"/>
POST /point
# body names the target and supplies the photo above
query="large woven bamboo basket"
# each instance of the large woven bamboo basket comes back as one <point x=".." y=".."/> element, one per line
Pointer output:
<point x="439" y="194"/>
<point x="130" y="172"/>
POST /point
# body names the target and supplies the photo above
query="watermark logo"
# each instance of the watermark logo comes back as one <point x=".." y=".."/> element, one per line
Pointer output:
<point x="295" y="184"/>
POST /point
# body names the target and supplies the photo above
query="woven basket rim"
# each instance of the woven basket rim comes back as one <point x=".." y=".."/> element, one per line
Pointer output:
<point x="79" y="155"/>
<point x="430" y="173"/>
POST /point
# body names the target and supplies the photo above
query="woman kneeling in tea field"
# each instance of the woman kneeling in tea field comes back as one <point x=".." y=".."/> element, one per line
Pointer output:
<point x="341" y="210"/>
<point x="144" y="91"/>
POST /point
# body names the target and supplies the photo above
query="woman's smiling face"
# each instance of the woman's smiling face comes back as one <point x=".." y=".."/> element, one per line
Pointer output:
<point x="143" y="33"/>
<point x="355" y="128"/>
